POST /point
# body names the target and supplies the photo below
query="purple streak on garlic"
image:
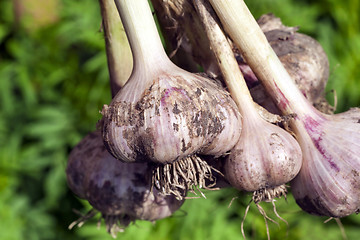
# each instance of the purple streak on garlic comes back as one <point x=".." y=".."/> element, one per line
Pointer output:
<point x="177" y="116"/>
<point x="120" y="191"/>
<point x="164" y="113"/>
<point x="266" y="156"/>
<point x="328" y="183"/>
<point x="303" y="58"/>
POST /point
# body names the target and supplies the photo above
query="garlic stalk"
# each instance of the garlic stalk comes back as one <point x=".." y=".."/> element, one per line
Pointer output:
<point x="329" y="181"/>
<point x="266" y="156"/>
<point x="183" y="29"/>
<point x="303" y="58"/>
<point x="164" y="114"/>
<point x="119" y="57"/>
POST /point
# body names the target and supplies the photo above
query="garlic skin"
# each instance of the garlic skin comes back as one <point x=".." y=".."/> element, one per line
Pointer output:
<point x="164" y="113"/>
<point x="117" y="189"/>
<point x="329" y="181"/>
<point x="179" y="114"/>
<point x="266" y="156"/>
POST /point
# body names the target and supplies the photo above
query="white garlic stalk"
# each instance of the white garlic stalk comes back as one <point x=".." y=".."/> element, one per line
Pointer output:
<point x="164" y="114"/>
<point x="303" y="58"/>
<point x="266" y="156"/>
<point x="329" y="181"/>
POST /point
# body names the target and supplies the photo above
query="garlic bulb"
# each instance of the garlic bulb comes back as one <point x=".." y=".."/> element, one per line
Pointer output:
<point x="266" y="156"/>
<point x="328" y="183"/>
<point x="120" y="191"/>
<point x="180" y="115"/>
<point x="164" y="114"/>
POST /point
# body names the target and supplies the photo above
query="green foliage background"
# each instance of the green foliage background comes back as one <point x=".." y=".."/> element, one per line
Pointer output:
<point x="53" y="82"/>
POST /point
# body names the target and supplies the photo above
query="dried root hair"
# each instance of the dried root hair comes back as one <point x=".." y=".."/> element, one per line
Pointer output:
<point x="265" y="195"/>
<point x="340" y="225"/>
<point x="114" y="223"/>
<point x="187" y="174"/>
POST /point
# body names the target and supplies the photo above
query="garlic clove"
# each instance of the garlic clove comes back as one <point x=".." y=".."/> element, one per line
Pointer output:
<point x="230" y="119"/>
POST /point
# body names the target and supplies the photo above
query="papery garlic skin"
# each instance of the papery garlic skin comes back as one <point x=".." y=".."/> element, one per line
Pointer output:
<point x="178" y="114"/>
<point x="115" y="188"/>
<point x="265" y="156"/>
<point x="329" y="181"/>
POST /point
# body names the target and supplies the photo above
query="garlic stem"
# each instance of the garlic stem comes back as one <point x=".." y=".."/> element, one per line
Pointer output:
<point x="118" y="51"/>
<point x="145" y="43"/>
<point x="246" y="33"/>
<point x="227" y="63"/>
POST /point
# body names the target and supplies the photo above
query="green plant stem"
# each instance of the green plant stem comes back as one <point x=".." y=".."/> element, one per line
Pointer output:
<point x="118" y="51"/>
<point x="227" y="63"/>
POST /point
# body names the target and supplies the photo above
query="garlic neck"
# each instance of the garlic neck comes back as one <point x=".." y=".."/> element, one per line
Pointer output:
<point x="146" y="46"/>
